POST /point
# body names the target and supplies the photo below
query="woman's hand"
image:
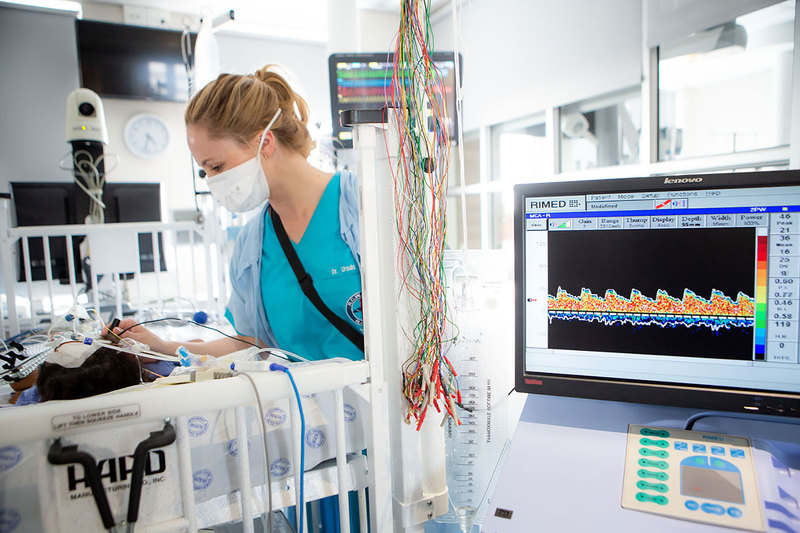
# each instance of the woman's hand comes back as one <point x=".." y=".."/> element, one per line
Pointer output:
<point x="215" y="348"/>
<point x="128" y="328"/>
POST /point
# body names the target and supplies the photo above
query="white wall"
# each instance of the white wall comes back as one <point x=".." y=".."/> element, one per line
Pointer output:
<point x="172" y="167"/>
<point x="377" y="30"/>
<point x="360" y="30"/>
<point x="305" y="62"/>
<point x="523" y="57"/>
<point x="38" y="68"/>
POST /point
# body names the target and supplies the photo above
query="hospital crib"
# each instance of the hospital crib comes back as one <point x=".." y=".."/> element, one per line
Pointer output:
<point x="191" y="483"/>
<point x="176" y="479"/>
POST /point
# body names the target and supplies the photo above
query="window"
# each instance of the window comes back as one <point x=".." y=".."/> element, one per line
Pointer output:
<point x="728" y="89"/>
<point x="472" y="177"/>
<point x="601" y="132"/>
<point x="521" y="151"/>
<point x="455" y="221"/>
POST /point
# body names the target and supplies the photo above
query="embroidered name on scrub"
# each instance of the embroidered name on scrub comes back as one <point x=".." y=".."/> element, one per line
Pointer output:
<point x="348" y="268"/>
<point x="298" y="326"/>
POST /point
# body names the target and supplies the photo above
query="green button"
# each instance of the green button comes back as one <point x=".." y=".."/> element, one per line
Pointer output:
<point x="651" y="442"/>
<point x="658" y="487"/>
<point x="699" y="460"/>
<point x="661" y="476"/>
<point x="660" y="500"/>
<point x="653" y="453"/>
<point x="718" y="463"/>
<point x="655" y="432"/>
<point x="655" y="464"/>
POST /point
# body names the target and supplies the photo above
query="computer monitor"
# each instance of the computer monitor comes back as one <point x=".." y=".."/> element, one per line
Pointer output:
<point x="68" y="204"/>
<point x="362" y="81"/>
<point x="59" y="198"/>
<point x="679" y="290"/>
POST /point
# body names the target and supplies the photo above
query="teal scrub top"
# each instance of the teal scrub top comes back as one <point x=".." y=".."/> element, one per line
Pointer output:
<point x="298" y="326"/>
<point x="245" y="309"/>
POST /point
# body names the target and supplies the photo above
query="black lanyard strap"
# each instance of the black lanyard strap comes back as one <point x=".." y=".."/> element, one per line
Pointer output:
<point x="307" y="285"/>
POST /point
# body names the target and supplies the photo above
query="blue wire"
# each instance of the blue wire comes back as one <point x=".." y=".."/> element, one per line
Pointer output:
<point x="278" y="367"/>
<point x="18" y="336"/>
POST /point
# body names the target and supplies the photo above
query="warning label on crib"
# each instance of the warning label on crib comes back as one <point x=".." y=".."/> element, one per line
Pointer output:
<point x="97" y="416"/>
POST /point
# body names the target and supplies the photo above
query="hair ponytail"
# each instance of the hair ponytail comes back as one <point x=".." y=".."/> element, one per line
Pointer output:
<point x="241" y="106"/>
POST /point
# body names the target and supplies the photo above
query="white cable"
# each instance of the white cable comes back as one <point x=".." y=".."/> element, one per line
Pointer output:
<point x="113" y="164"/>
<point x="34" y="339"/>
<point x="91" y="193"/>
<point x="266" y="451"/>
<point x="65" y="163"/>
<point x="88" y="168"/>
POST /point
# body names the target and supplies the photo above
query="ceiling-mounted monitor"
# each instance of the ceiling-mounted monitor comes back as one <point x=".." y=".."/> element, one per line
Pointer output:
<point x="123" y="61"/>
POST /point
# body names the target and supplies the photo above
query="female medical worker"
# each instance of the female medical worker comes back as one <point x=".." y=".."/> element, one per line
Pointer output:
<point x="248" y="133"/>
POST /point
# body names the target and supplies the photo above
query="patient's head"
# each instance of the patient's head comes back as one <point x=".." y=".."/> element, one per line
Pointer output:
<point x="103" y="371"/>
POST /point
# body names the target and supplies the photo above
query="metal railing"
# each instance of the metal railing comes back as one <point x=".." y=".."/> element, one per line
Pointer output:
<point x="193" y="253"/>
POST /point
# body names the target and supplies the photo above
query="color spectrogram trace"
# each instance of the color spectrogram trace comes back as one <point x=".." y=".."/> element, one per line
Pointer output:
<point x="718" y="312"/>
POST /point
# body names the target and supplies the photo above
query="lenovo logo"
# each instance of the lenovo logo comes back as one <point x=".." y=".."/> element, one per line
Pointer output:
<point x="672" y="181"/>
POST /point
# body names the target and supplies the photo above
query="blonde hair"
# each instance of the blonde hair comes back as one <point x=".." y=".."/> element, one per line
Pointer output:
<point x="241" y="106"/>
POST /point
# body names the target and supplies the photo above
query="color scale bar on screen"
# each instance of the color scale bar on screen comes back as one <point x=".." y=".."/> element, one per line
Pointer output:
<point x="762" y="251"/>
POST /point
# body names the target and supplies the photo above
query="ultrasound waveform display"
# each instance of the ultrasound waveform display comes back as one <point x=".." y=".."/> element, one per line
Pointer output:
<point x="717" y="312"/>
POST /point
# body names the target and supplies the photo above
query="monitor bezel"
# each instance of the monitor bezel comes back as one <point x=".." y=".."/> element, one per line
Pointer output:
<point x="703" y="396"/>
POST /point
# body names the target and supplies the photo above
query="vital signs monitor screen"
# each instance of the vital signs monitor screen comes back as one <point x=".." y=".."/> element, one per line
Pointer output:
<point x="684" y="280"/>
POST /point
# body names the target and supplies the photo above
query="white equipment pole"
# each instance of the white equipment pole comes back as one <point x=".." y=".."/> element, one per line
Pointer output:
<point x="415" y="466"/>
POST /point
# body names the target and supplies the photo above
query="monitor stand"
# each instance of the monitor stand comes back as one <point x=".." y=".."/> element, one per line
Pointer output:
<point x="564" y="470"/>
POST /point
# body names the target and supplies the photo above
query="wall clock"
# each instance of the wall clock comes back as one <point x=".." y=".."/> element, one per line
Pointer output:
<point x="146" y="135"/>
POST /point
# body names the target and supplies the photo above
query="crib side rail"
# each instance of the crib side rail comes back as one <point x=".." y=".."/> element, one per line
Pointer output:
<point x="60" y="419"/>
<point x="196" y="243"/>
<point x="178" y="400"/>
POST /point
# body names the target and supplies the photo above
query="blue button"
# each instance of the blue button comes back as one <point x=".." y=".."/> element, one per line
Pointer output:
<point x="735" y="452"/>
<point x="718" y="450"/>
<point x="735" y="512"/>
<point x="713" y="508"/>
<point x="692" y="505"/>
<point x="681" y="445"/>
<point x="699" y="448"/>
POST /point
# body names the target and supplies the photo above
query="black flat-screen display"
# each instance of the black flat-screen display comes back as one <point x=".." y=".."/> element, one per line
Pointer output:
<point x="122" y="61"/>
<point x="679" y="290"/>
<point x="68" y="204"/>
<point x="362" y="81"/>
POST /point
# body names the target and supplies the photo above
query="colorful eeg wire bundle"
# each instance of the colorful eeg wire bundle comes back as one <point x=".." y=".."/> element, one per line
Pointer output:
<point x="416" y="99"/>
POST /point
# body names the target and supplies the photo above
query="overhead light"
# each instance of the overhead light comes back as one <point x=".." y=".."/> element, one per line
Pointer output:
<point x="47" y="5"/>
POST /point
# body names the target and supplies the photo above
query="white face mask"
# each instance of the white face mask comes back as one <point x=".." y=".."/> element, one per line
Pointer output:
<point x="244" y="187"/>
